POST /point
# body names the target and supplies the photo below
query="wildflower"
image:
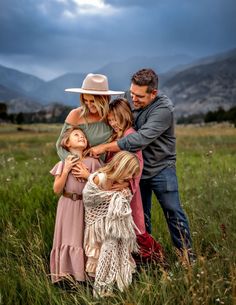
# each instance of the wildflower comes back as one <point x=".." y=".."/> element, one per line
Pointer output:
<point x="209" y="153"/>
<point x="10" y="159"/>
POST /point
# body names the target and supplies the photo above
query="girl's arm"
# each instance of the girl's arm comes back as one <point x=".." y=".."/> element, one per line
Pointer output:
<point x="80" y="171"/>
<point x="60" y="180"/>
<point x="96" y="180"/>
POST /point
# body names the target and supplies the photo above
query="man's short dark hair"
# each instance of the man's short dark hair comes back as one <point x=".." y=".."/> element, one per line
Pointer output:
<point x="146" y="77"/>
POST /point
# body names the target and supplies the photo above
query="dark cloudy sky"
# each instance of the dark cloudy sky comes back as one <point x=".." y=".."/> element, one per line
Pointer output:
<point x="51" y="37"/>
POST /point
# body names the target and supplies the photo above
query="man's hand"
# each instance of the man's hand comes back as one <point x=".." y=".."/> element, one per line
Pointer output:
<point x="96" y="151"/>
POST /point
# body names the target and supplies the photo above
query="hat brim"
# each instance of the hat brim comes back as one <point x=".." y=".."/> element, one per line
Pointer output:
<point x="94" y="92"/>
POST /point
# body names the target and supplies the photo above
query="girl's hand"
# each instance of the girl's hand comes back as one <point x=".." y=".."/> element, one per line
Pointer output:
<point x="70" y="161"/>
<point x="80" y="171"/>
<point x="119" y="186"/>
<point x="96" y="151"/>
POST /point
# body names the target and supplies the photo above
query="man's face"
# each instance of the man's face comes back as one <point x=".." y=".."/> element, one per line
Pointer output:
<point x="140" y="97"/>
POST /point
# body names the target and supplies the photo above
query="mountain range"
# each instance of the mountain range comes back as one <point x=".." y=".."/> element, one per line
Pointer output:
<point x="195" y="86"/>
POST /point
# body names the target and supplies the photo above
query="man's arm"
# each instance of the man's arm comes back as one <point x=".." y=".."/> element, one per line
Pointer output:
<point x="159" y="121"/>
<point x="96" y="151"/>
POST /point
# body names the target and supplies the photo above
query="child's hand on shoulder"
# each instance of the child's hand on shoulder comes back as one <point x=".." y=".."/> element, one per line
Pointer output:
<point x="70" y="161"/>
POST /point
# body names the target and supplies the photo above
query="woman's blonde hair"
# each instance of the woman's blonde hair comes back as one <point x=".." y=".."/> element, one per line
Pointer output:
<point x="101" y="102"/>
<point x="66" y="136"/>
<point x="121" y="110"/>
<point x="122" y="166"/>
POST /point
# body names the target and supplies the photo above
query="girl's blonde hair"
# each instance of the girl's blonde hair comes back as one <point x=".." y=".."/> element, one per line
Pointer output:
<point x="121" y="110"/>
<point x="101" y="102"/>
<point x="122" y="166"/>
<point x="66" y="136"/>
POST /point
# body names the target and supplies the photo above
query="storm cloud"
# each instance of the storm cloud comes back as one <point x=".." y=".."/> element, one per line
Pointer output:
<point x="51" y="37"/>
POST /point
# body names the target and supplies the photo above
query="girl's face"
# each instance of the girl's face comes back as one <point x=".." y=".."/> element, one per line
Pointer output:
<point x="77" y="139"/>
<point x="112" y="121"/>
<point x="89" y="102"/>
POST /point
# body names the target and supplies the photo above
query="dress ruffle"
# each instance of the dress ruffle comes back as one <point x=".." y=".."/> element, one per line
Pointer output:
<point x="66" y="261"/>
<point x="92" y="253"/>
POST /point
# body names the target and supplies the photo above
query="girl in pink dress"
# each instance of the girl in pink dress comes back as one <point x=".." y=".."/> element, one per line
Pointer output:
<point x="67" y="255"/>
<point x="121" y="120"/>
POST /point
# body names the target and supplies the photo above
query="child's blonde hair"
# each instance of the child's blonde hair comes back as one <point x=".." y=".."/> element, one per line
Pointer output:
<point x="122" y="166"/>
<point x="66" y="136"/>
<point x="101" y="102"/>
<point x="121" y="110"/>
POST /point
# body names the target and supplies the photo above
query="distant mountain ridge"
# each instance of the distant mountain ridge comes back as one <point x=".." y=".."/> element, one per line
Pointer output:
<point x="19" y="81"/>
<point x="204" y="87"/>
<point x="194" y="87"/>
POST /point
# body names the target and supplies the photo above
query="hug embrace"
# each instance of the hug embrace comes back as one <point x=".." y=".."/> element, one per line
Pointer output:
<point x="114" y="154"/>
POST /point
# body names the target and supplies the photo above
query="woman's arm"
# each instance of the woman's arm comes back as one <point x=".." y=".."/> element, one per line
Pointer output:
<point x="62" y="153"/>
<point x="71" y="120"/>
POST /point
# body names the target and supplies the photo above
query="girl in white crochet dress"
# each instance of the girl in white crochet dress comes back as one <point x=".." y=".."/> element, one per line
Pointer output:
<point x="109" y="227"/>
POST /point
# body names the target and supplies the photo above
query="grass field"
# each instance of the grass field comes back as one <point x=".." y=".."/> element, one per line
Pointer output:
<point x="206" y="168"/>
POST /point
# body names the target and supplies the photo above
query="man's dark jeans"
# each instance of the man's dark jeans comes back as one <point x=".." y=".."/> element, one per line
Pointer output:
<point x="165" y="187"/>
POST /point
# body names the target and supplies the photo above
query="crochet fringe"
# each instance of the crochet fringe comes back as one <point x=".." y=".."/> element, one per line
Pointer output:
<point x="108" y="219"/>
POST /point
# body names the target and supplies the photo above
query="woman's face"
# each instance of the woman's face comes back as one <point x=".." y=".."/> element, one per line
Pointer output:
<point x="89" y="102"/>
<point x="112" y="121"/>
<point x="77" y="139"/>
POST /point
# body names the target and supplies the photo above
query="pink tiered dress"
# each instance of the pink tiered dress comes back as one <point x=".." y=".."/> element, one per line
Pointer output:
<point x="67" y="255"/>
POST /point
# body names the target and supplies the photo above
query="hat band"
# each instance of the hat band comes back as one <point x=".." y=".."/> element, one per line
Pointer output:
<point x="93" y="89"/>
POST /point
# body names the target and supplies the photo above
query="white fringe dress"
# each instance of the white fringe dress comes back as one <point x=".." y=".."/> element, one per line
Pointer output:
<point x="109" y="236"/>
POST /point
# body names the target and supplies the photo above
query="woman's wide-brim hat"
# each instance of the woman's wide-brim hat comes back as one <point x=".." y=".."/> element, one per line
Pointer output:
<point x="95" y="84"/>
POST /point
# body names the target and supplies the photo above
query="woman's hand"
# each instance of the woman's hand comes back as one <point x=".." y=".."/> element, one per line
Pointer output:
<point x="70" y="161"/>
<point x="96" y="151"/>
<point x="80" y="171"/>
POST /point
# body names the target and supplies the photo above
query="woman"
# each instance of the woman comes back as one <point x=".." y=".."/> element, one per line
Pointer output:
<point x="91" y="116"/>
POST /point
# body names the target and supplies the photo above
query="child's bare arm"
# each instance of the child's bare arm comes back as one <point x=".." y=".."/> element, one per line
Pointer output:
<point x="96" y="180"/>
<point x="60" y="180"/>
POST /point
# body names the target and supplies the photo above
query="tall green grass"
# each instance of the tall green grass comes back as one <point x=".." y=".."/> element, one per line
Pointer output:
<point x="206" y="168"/>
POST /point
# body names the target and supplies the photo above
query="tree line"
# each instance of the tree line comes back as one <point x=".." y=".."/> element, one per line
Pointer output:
<point x="55" y="114"/>
<point x="218" y="116"/>
<point x="58" y="113"/>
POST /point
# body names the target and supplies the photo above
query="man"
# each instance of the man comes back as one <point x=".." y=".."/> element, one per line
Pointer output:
<point x="154" y="123"/>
